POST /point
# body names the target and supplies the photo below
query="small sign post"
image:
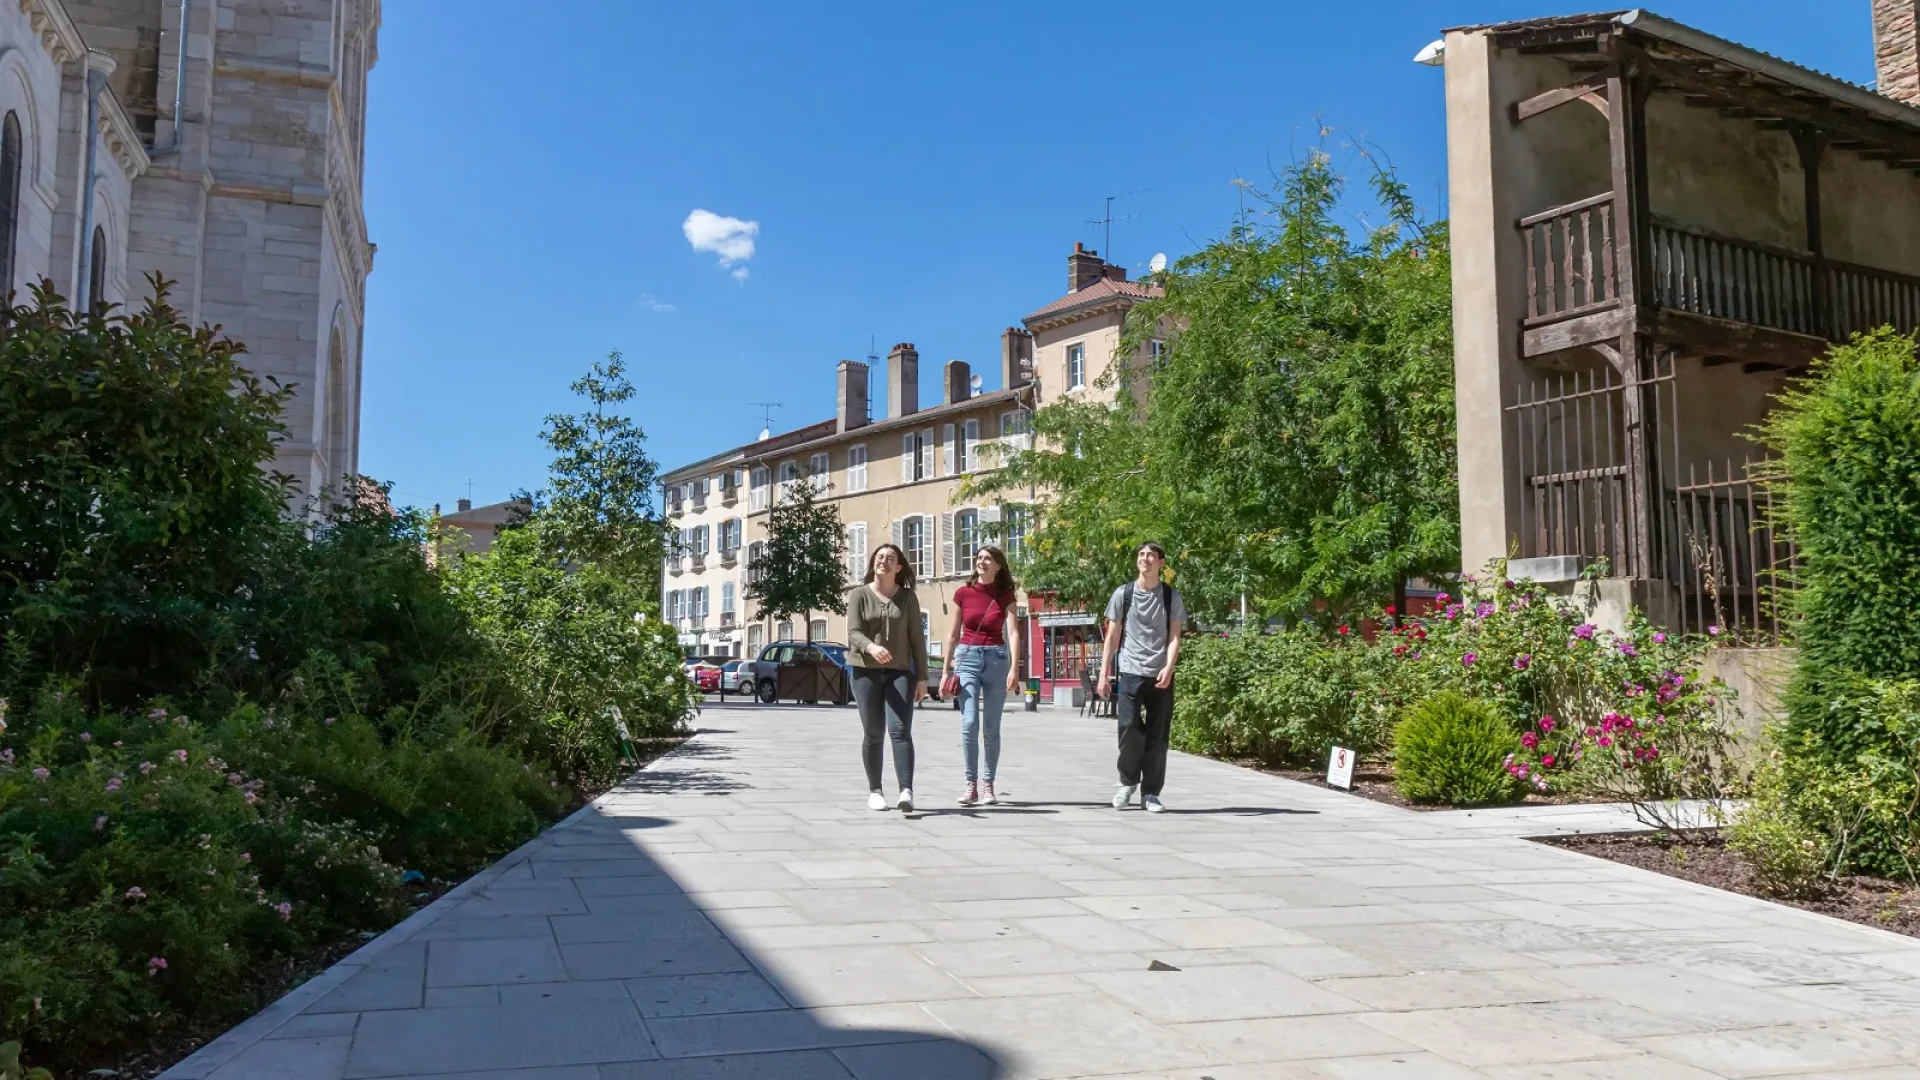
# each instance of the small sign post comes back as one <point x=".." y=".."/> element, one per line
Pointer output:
<point x="1340" y="769"/>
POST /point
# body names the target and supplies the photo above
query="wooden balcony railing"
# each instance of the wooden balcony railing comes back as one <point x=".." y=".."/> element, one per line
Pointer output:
<point x="1572" y="270"/>
<point x="1570" y="260"/>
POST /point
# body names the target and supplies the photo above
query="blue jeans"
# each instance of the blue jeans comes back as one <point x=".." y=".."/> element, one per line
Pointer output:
<point x="982" y="671"/>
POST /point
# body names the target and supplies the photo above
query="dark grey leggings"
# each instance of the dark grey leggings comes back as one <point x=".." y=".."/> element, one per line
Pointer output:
<point x="884" y="698"/>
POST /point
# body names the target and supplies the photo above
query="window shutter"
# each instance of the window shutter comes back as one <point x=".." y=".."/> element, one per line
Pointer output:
<point x="908" y="450"/>
<point x="926" y="453"/>
<point x="990" y="515"/>
<point x="928" y="560"/>
<point x="949" y="557"/>
<point x="970" y="438"/>
<point x="899" y="536"/>
<point x="946" y="450"/>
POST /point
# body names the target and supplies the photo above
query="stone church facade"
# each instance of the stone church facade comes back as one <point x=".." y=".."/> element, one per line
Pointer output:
<point x="236" y="175"/>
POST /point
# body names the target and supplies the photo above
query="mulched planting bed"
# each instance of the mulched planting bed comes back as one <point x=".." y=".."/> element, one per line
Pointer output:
<point x="150" y="1060"/>
<point x="1702" y="856"/>
<point x="1375" y="781"/>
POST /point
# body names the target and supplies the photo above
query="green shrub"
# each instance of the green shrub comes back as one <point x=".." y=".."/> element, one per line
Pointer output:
<point x="1282" y="698"/>
<point x="1455" y="750"/>
<point x="1848" y="439"/>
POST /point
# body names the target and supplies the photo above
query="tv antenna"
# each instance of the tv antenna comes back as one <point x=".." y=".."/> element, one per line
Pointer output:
<point x="766" y="416"/>
<point x="1106" y="222"/>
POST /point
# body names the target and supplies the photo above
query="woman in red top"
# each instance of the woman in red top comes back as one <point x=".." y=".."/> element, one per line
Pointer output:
<point x="981" y="646"/>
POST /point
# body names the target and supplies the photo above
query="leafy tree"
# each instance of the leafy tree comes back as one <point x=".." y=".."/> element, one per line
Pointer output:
<point x="1295" y="444"/>
<point x="599" y="507"/>
<point x="803" y="569"/>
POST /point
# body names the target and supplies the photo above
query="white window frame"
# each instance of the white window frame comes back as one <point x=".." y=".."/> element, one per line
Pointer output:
<point x="819" y="630"/>
<point x="726" y="598"/>
<point x="1077" y="366"/>
<point x="856" y="551"/>
<point x="965" y="451"/>
<point x="820" y="470"/>
<point x="1017" y="520"/>
<point x="754" y="642"/>
<point x="966" y="526"/>
<point x="920" y="554"/>
<point x="783" y="631"/>
<point x="857" y="467"/>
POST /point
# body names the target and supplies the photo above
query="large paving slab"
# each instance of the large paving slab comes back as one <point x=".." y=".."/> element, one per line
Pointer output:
<point x="734" y="911"/>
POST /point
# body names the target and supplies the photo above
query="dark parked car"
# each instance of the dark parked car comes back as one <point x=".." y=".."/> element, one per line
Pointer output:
<point x="766" y="670"/>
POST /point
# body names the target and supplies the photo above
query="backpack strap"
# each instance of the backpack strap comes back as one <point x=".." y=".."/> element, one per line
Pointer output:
<point x="1166" y="610"/>
<point x="1120" y="644"/>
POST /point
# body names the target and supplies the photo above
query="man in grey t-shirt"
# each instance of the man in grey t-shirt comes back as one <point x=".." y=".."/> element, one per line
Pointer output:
<point x="1143" y="635"/>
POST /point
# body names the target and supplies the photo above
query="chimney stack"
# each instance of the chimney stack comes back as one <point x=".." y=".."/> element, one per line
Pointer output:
<point x="463" y="505"/>
<point x="1016" y="358"/>
<point x="853" y="396"/>
<point x="959" y="381"/>
<point x="903" y="380"/>
<point x="1896" y="49"/>
<point x="1083" y="268"/>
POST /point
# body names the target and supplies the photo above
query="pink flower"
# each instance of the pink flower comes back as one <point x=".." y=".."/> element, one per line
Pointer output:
<point x="1522" y="773"/>
<point x="1523" y="661"/>
<point x="180" y="756"/>
<point x="6" y="756"/>
<point x="1440" y="599"/>
<point x="1546" y="723"/>
<point x="41" y="773"/>
<point x="86" y="736"/>
<point x="1604" y="740"/>
<point x="284" y="910"/>
<point x="1468" y="659"/>
<point x="1713" y="631"/>
<point x="329" y="719"/>
<point x="113" y="785"/>
<point x="117" y="744"/>
<point x="146" y="767"/>
<point x="252" y="798"/>
<point x="1546" y="760"/>
<point x="246" y="856"/>
<point x="156" y="965"/>
<point x="1659" y="637"/>
<point x="1627" y="650"/>
<point x="1584" y="631"/>
<point x="1529" y="740"/>
<point x="136" y="893"/>
<point x="99" y="823"/>
<point x="1343" y="631"/>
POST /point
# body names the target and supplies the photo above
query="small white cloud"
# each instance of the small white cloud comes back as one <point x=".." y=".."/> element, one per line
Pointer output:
<point x="728" y="237"/>
<point x="654" y="303"/>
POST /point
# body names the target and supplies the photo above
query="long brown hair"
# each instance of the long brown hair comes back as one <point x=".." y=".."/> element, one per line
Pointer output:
<point x="904" y="580"/>
<point x="1003" y="582"/>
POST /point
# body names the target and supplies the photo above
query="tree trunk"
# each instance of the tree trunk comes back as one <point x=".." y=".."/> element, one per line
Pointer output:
<point x="807" y="617"/>
<point x="1399" y="597"/>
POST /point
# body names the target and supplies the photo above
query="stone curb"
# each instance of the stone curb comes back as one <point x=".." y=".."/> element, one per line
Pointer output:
<point x="268" y="1020"/>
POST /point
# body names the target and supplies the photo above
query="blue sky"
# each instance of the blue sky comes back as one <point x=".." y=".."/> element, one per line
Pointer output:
<point x="917" y="172"/>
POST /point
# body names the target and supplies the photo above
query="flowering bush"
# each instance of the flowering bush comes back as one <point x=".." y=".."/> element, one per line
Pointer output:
<point x="151" y="866"/>
<point x="1621" y="717"/>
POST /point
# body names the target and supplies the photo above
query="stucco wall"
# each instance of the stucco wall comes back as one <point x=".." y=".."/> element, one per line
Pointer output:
<point x="1723" y="175"/>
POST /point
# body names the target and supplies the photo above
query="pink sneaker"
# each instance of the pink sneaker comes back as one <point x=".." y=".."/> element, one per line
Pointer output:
<point x="972" y="794"/>
<point x="986" y="793"/>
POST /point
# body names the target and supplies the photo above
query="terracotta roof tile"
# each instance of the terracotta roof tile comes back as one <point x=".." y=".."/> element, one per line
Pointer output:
<point x="1104" y="289"/>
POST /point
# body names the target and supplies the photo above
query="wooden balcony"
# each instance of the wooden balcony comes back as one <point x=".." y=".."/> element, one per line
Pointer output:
<point x="1723" y="297"/>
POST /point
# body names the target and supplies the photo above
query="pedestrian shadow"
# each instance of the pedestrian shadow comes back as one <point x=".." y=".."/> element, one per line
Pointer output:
<point x="583" y="954"/>
<point x="1241" y="811"/>
<point x="1002" y="808"/>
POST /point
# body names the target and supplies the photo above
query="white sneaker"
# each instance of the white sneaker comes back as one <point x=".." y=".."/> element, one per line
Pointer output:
<point x="905" y="802"/>
<point x="1154" y="805"/>
<point x="876" y="801"/>
<point x="1122" y="795"/>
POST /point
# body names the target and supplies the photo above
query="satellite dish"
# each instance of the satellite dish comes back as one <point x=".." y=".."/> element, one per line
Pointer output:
<point x="765" y="434"/>
<point x="1157" y="263"/>
<point x="1434" y="54"/>
<point x="976" y="383"/>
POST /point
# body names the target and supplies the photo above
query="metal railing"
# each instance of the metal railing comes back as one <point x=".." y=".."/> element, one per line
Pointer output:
<point x="1731" y="566"/>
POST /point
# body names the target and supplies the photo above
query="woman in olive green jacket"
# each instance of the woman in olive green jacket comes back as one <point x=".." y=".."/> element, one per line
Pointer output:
<point x="887" y="650"/>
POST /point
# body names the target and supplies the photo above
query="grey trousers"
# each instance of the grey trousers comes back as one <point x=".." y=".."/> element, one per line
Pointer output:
<point x="884" y="698"/>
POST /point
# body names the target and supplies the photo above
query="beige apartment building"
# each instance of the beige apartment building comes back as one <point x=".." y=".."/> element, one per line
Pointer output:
<point x="218" y="143"/>
<point x="1653" y="230"/>
<point x="895" y="477"/>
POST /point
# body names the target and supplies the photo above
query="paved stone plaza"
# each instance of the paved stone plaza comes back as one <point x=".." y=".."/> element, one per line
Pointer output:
<point x="735" y="911"/>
